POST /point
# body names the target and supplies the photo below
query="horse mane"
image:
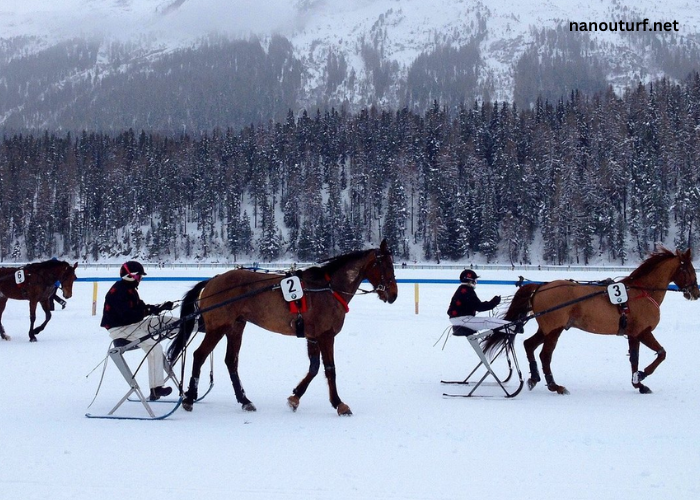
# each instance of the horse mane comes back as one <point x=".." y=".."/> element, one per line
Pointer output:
<point x="661" y="254"/>
<point x="331" y="265"/>
<point x="45" y="265"/>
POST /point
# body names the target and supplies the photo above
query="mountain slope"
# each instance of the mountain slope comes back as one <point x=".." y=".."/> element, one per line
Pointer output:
<point x="70" y="63"/>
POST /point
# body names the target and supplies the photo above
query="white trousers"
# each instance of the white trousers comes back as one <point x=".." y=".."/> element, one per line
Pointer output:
<point x="153" y="349"/>
<point x="478" y="323"/>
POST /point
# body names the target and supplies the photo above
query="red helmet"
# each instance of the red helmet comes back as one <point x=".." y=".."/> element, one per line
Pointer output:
<point x="468" y="276"/>
<point x="132" y="271"/>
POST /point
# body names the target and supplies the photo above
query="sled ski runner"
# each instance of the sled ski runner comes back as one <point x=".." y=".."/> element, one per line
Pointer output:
<point x="485" y="367"/>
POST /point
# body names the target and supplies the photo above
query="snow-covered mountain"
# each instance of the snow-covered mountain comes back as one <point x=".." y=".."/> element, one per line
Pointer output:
<point x="359" y="52"/>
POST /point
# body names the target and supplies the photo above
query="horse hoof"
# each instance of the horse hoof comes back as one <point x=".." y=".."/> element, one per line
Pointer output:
<point x="643" y="389"/>
<point x="531" y="383"/>
<point x="6" y="337"/>
<point x="344" y="410"/>
<point x="559" y="389"/>
<point x="188" y="405"/>
<point x="32" y="339"/>
<point x="249" y="407"/>
<point x="293" y="402"/>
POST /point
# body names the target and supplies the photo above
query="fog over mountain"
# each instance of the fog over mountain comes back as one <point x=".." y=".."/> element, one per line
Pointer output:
<point x="58" y="55"/>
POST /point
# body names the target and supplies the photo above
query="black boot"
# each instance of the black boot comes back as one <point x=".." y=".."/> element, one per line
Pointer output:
<point x="159" y="392"/>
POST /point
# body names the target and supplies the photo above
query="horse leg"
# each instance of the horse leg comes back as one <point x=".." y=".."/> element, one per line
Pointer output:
<point x="314" y="351"/>
<point x="198" y="359"/>
<point x="3" y="335"/>
<point x="326" y="342"/>
<point x="233" y="347"/>
<point x="530" y="345"/>
<point x="637" y="376"/>
<point x="46" y="306"/>
<point x="550" y="343"/>
<point x="647" y="338"/>
<point x="32" y="319"/>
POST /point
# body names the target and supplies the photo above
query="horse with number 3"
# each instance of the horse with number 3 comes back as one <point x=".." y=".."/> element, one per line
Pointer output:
<point x="225" y="303"/>
<point x="560" y="305"/>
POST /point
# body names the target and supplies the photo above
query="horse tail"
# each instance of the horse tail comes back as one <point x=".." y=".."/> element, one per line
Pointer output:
<point x="188" y="315"/>
<point x="518" y="310"/>
<point x="521" y="304"/>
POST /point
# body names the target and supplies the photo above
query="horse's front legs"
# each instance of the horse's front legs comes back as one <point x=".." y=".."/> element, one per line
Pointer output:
<point x="327" y="342"/>
<point x="314" y="363"/>
<point x="46" y="306"/>
<point x="648" y="339"/>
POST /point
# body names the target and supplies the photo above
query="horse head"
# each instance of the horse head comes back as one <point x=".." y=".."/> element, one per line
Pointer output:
<point x="380" y="273"/>
<point x="67" y="278"/>
<point x="685" y="277"/>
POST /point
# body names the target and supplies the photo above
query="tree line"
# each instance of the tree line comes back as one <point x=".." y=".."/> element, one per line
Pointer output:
<point x="562" y="182"/>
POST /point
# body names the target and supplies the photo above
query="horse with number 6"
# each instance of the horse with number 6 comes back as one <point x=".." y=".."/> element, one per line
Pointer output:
<point x="36" y="282"/>
<point x="560" y="305"/>
<point x="224" y="304"/>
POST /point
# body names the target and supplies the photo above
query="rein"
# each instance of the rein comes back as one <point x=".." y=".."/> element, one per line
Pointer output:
<point x="564" y="304"/>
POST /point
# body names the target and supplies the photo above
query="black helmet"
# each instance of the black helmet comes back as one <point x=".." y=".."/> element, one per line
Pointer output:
<point x="132" y="271"/>
<point x="468" y="276"/>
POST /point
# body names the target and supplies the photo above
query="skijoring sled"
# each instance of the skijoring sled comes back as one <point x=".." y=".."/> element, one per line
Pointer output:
<point x="487" y="365"/>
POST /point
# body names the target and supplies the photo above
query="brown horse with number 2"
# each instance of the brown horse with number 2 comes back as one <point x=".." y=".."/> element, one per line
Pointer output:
<point x="560" y="305"/>
<point x="229" y="301"/>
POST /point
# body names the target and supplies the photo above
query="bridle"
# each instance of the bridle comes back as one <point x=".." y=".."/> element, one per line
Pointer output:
<point x="690" y="282"/>
<point x="379" y="263"/>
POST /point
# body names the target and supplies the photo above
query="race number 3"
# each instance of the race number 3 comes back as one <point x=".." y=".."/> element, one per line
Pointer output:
<point x="291" y="288"/>
<point x="617" y="293"/>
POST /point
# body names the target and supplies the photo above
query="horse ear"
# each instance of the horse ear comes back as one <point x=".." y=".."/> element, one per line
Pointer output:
<point x="384" y="247"/>
<point x="75" y="265"/>
<point x="688" y="255"/>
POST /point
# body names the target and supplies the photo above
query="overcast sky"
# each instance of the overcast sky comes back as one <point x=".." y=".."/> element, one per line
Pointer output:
<point x="192" y="18"/>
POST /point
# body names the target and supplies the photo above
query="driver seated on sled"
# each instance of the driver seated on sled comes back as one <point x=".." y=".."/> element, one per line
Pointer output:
<point x="128" y="317"/>
<point x="465" y="304"/>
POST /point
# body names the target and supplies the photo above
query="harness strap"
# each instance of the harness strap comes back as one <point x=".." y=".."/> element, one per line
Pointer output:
<point x="342" y="301"/>
<point x="646" y="294"/>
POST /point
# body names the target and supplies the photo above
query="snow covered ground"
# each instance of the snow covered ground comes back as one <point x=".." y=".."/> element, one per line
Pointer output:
<point x="404" y="441"/>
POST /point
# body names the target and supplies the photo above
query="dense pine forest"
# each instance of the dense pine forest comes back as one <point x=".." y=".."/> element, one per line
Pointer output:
<point x="600" y="176"/>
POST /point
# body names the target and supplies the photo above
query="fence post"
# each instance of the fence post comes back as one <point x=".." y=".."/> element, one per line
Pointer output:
<point x="94" y="298"/>
<point x="415" y="293"/>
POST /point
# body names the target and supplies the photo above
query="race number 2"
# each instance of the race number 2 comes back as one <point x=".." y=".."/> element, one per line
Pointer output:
<point x="291" y="289"/>
<point x="617" y="293"/>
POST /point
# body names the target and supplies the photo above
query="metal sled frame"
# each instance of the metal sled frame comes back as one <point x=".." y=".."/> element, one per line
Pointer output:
<point x="116" y="354"/>
<point x="507" y="349"/>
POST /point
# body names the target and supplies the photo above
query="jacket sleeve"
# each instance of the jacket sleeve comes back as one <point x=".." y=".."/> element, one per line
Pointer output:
<point x="483" y="306"/>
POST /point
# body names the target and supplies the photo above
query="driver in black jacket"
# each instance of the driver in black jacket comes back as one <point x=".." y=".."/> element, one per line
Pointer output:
<point x="128" y="317"/>
<point x="465" y="304"/>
